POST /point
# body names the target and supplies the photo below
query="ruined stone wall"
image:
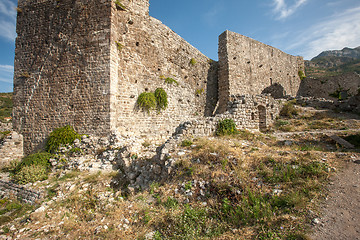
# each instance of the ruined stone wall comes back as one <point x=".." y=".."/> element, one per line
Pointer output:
<point x="248" y="112"/>
<point x="62" y="68"/>
<point x="247" y="66"/>
<point x="324" y="86"/>
<point x="11" y="148"/>
<point x="144" y="53"/>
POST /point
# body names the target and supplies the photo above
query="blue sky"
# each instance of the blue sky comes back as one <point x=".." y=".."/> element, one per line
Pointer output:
<point x="298" y="27"/>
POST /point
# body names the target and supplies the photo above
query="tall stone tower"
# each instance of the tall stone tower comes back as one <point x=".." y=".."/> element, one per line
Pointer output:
<point x="84" y="62"/>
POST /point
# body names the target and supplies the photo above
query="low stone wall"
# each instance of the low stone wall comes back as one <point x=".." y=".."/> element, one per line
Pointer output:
<point x="11" y="148"/>
<point x="26" y="195"/>
<point x="5" y="126"/>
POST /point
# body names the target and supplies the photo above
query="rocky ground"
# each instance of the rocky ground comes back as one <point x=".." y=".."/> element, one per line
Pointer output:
<point x="311" y="181"/>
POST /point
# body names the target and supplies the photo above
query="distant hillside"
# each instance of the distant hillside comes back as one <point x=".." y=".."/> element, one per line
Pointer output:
<point x="332" y="63"/>
<point x="6" y="105"/>
<point x="345" y="52"/>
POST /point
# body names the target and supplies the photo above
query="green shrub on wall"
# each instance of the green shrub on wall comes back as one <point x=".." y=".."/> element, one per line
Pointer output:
<point x="301" y="74"/>
<point x="61" y="136"/>
<point x="161" y="99"/>
<point x="146" y="101"/>
<point x="193" y="61"/>
<point x="226" y="127"/>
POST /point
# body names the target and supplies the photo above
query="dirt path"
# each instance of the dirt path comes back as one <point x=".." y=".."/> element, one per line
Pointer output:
<point x="340" y="214"/>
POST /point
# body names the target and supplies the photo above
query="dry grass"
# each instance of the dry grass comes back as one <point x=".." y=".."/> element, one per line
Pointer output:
<point x="246" y="186"/>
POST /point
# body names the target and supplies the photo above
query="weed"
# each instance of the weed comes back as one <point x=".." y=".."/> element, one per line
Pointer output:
<point x="288" y="110"/>
<point x="146" y="101"/>
<point x="171" y="81"/>
<point x="301" y="75"/>
<point x="171" y="203"/>
<point x="193" y="62"/>
<point x="60" y="137"/>
<point x="52" y="191"/>
<point x="226" y="127"/>
<point x="120" y="5"/>
<point x="161" y="99"/>
<point x="25" y="75"/>
<point x="192" y="223"/>
<point x="153" y="187"/>
<point x="200" y="91"/>
<point x="186" y="143"/>
<point x="119" y="45"/>
<point x="188" y="185"/>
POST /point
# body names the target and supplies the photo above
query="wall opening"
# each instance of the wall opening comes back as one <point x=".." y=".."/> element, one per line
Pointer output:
<point x="262" y="118"/>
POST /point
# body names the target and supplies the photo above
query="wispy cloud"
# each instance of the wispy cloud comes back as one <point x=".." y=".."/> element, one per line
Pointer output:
<point x="283" y="9"/>
<point x="6" y="73"/>
<point x="337" y="31"/>
<point x="7" y="19"/>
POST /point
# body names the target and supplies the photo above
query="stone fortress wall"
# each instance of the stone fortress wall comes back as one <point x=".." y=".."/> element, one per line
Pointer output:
<point x="62" y="68"/>
<point x="247" y="66"/>
<point x="85" y="62"/>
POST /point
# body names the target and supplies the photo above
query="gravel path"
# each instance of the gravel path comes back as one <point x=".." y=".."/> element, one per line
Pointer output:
<point x="340" y="219"/>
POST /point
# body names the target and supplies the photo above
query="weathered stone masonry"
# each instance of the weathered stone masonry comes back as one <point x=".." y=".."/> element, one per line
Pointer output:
<point x="248" y="67"/>
<point x="85" y="62"/>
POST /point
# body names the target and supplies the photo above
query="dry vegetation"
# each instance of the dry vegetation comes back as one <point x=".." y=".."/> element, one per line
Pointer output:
<point x="244" y="186"/>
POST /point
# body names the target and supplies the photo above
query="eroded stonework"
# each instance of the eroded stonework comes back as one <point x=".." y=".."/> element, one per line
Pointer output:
<point x="85" y="62"/>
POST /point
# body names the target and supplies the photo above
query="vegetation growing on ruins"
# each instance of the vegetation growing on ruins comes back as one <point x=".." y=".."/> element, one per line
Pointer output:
<point x="161" y="99"/>
<point x="301" y="74"/>
<point x="61" y="137"/>
<point x="32" y="168"/>
<point x="120" y="5"/>
<point x="226" y="127"/>
<point x="119" y="45"/>
<point x="338" y="92"/>
<point x="171" y="81"/>
<point x="146" y="101"/>
<point x="149" y="100"/>
<point x="193" y="61"/>
<point x="199" y="91"/>
<point x="289" y="110"/>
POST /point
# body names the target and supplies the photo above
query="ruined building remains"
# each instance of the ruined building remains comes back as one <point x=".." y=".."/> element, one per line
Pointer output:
<point x="85" y="62"/>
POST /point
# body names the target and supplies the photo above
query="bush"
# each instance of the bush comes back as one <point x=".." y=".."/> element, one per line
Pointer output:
<point x="61" y="136"/>
<point x="31" y="173"/>
<point x="161" y="99"/>
<point x="39" y="159"/>
<point x="289" y="110"/>
<point x="193" y="61"/>
<point x="146" y="101"/>
<point x="226" y="127"/>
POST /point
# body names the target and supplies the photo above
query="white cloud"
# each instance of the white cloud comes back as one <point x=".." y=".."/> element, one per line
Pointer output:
<point x="336" y="32"/>
<point x="7" y="19"/>
<point x="282" y="9"/>
<point x="7" y="30"/>
<point x="6" y="73"/>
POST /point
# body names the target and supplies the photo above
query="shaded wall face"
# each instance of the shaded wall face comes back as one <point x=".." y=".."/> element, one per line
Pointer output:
<point x="62" y="68"/>
<point x="327" y="87"/>
<point x="144" y="53"/>
<point x="249" y="66"/>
